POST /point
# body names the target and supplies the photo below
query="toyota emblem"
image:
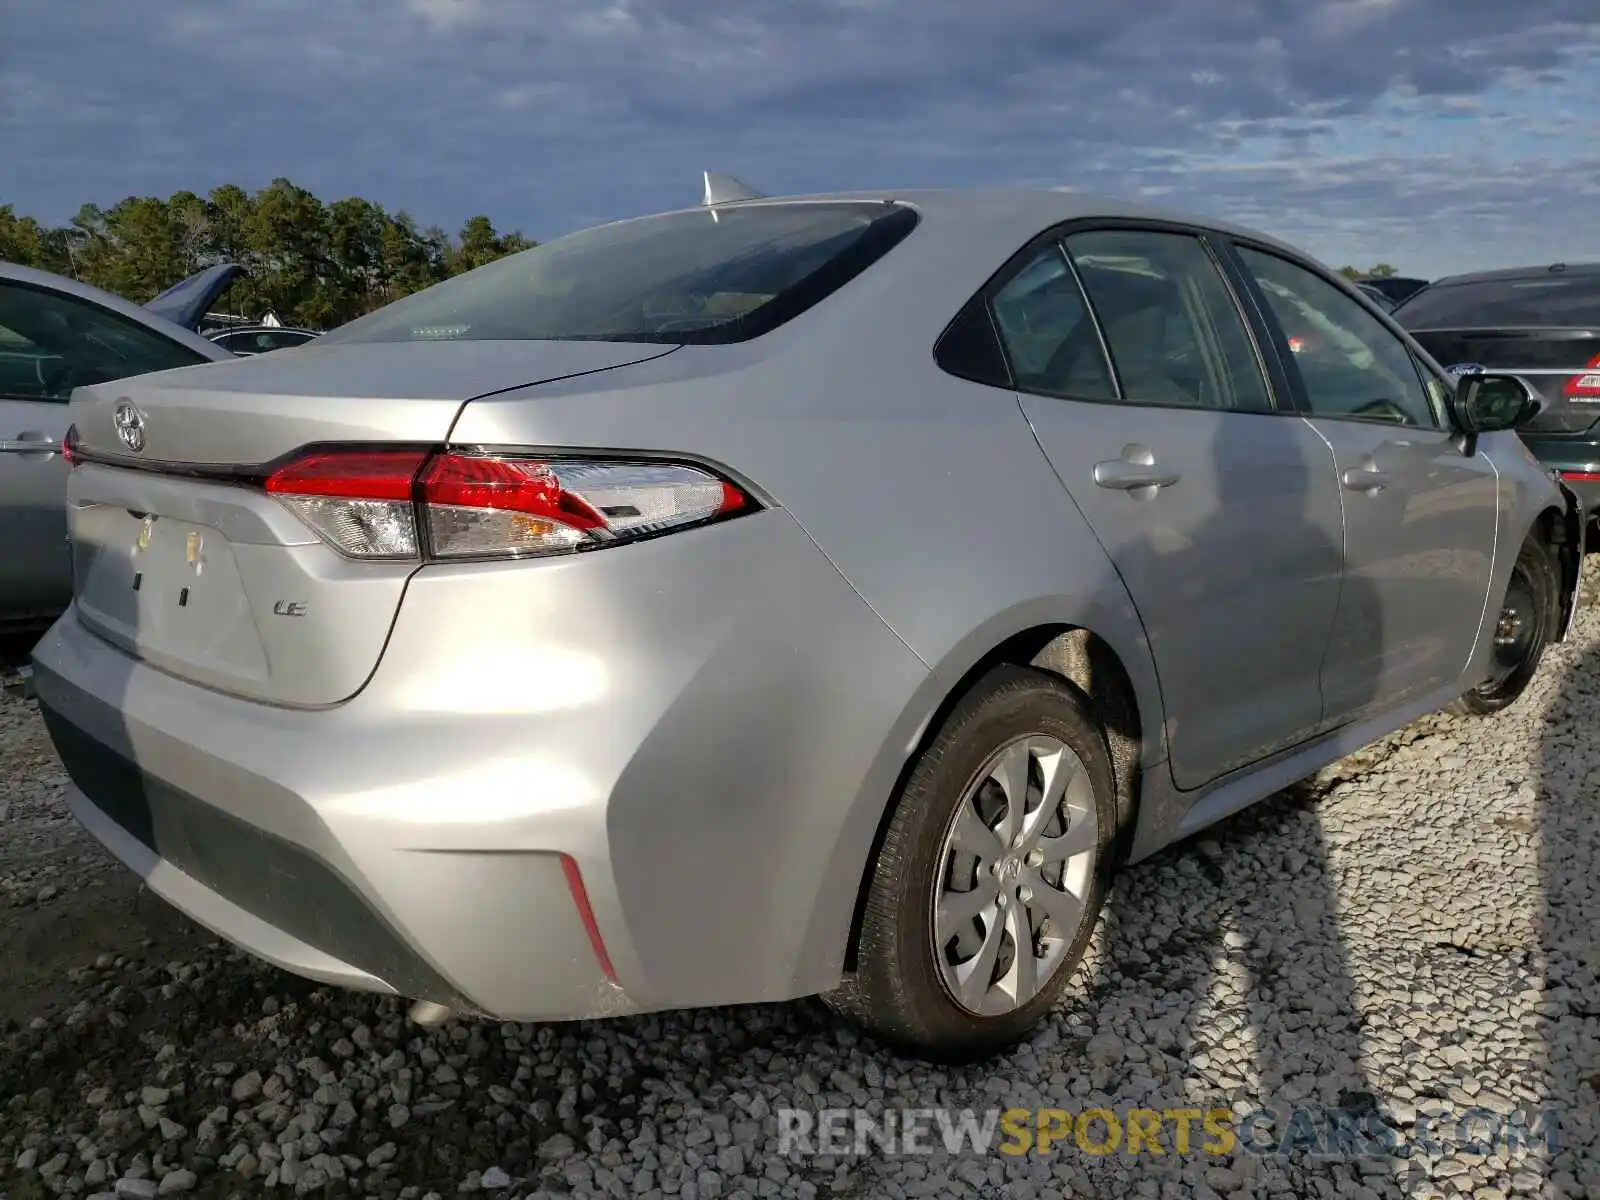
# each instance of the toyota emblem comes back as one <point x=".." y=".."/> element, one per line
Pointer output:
<point x="130" y="426"/>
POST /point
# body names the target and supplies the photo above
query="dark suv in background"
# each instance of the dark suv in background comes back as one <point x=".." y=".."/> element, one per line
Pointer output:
<point x="1397" y="289"/>
<point x="1542" y="323"/>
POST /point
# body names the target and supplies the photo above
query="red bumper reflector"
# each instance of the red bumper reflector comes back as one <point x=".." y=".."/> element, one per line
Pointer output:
<point x="580" y="897"/>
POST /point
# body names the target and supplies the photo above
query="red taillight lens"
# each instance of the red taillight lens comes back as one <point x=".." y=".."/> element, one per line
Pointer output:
<point x="506" y="485"/>
<point x="360" y="474"/>
<point x="481" y="505"/>
<point x="1585" y="386"/>
<point x="389" y="504"/>
<point x="69" y="446"/>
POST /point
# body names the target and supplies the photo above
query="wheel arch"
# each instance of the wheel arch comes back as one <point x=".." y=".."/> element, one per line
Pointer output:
<point x="1090" y="664"/>
<point x="1563" y="530"/>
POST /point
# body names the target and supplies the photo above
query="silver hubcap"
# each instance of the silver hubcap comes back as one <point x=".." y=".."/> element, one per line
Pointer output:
<point x="1014" y="875"/>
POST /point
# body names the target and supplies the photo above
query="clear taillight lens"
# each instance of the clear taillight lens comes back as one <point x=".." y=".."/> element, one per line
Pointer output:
<point x="388" y="504"/>
<point x="358" y="501"/>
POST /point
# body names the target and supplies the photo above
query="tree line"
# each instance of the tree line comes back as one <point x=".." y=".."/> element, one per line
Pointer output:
<point x="1381" y="271"/>
<point x="313" y="264"/>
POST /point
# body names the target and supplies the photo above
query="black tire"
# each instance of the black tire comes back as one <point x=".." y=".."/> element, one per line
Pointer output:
<point x="897" y="991"/>
<point x="1533" y="600"/>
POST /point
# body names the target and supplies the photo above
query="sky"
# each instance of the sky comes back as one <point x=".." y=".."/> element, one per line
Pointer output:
<point x="1435" y="135"/>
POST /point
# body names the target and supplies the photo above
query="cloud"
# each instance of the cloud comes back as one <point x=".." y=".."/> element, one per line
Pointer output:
<point x="1422" y="131"/>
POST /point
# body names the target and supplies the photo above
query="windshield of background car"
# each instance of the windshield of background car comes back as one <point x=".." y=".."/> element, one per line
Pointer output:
<point x="1505" y="303"/>
<point x="703" y="276"/>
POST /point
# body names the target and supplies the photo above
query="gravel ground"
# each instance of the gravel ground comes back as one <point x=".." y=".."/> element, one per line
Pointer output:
<point x="1414" y="928"/>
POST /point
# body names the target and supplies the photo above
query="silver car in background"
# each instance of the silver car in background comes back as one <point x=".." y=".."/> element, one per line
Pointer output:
<point x="778" y="597"/>
<point x="57" y="334"/>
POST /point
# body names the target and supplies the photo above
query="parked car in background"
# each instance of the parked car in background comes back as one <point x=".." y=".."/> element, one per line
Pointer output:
<point x="1541" y="323"/>
<point x="186" y="302"/>
<point x="1396" y="287"/>
<point x="1377" y="296"/>
<point x="57" y="334"/>
<point x="770" y="598"/>
<point x="259" y="339"/>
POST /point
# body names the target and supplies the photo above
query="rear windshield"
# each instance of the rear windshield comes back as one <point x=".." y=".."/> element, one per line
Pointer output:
<point x="1551" y="300"/>
<point x="699" y="276"/>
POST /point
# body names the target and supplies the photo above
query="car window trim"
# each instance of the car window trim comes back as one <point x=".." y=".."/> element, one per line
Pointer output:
<point x="975" y="307"/>
<point x="1283" y="400"/>
<point x="1119" y="392"/>
<point x="1280" y="339"/>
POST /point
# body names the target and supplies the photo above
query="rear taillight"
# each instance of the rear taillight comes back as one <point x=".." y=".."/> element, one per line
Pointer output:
<point x="1587" y="385"/>
<point x="414" y="503"/>
<point x="359" y="501"/>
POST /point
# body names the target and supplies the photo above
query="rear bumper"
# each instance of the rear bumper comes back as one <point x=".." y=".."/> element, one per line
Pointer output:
<point x="704" y="729"/>
<point x="307" y="902"/>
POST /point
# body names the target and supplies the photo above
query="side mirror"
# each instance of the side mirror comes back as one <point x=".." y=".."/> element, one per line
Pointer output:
<point x="1487" y="403"/>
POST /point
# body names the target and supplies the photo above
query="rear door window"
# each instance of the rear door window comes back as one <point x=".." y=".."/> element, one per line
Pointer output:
<point x="701" y="276"/>
<point x="1171" y="323"/>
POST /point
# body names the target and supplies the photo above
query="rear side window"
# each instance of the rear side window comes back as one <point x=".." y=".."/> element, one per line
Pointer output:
<point x="700" y="276"/>
<point x="1174" y="331"/>
<point x="1049" y="336"/>
<point x="1551" y="300"/>
<point x="51" y="342"/>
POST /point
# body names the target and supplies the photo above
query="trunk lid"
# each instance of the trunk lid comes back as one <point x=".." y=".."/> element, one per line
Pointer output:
<point x="1546" y="357"/>
<point x="182" y="561"/>
<point x="186" y="302"/>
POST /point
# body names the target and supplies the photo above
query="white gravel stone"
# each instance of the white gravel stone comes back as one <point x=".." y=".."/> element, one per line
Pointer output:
<point x="175" y="1183"/>
<point x="494" y="1178"/>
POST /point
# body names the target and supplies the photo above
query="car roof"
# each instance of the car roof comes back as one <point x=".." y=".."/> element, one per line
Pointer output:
<point x="17" y="273"/>
<point x="1022" y="212"/>
<point x="1512" y="274"/>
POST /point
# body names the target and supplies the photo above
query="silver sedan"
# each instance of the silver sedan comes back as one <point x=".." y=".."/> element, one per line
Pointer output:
<point x="777" y="597"/>
<point x="56" y="334"/>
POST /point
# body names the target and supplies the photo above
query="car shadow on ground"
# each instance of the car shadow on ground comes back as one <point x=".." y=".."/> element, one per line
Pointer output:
<point x="1565" y="785"/>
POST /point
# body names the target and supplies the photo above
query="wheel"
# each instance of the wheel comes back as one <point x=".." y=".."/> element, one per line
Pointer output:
<point x="985" y="892"/>
<point x="1528" y="617"/>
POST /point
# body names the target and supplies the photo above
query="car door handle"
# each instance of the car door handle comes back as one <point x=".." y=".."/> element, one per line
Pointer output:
<point x="30" y="442"/>
<point x="1365" y="480"/>
<point x="1136" y="470"/>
